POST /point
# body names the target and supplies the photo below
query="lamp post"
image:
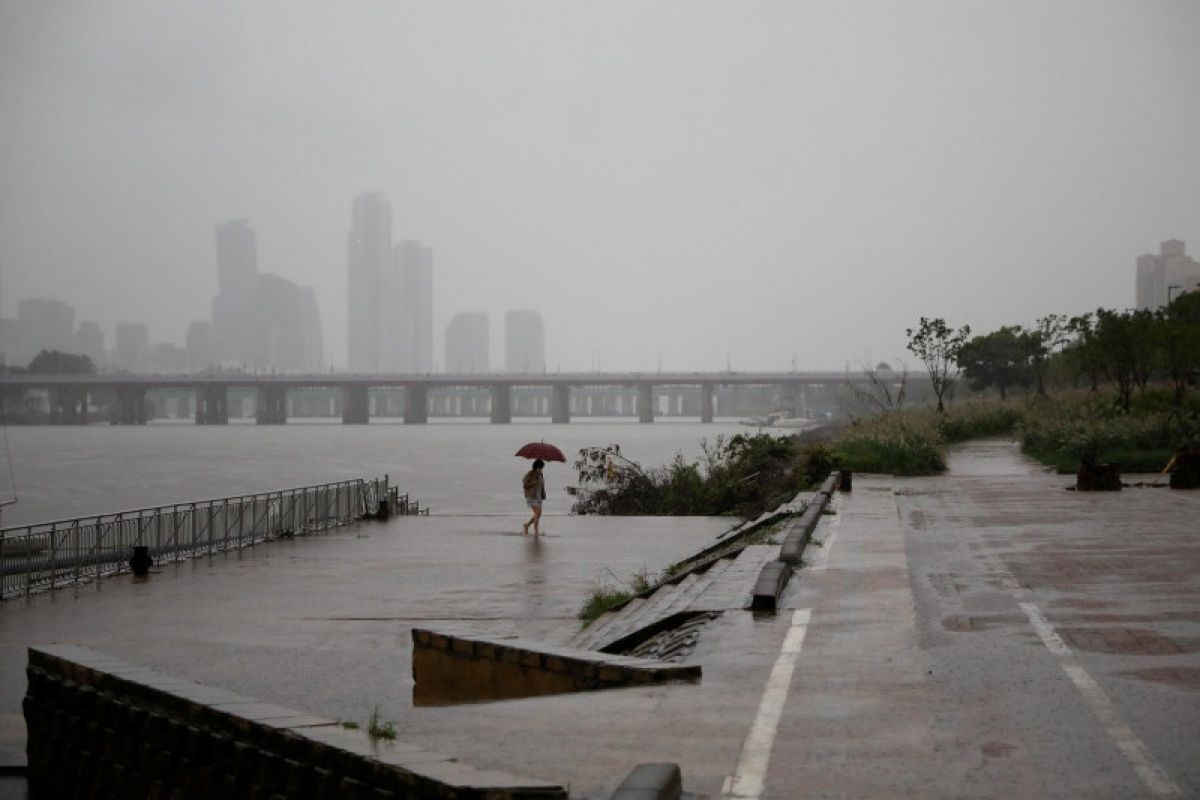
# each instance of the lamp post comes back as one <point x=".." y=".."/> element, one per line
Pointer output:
<point x="1169" y="288"/>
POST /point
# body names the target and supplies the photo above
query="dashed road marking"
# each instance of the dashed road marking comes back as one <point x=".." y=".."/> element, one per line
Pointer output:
<point x="749" y="777"/>
<point x="1135" y="751"/>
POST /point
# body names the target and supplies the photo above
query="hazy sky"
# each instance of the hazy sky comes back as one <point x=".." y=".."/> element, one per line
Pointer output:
<point x="684" y="181"/>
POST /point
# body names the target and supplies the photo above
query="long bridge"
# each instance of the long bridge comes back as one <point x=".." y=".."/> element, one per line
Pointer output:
<point x="497" y="395"/>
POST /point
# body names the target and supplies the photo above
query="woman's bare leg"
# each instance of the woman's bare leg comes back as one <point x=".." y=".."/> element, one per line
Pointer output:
<point x="537" y="516"/>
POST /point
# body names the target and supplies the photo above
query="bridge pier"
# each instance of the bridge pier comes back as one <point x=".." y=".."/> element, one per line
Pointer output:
<point x="270" y="406"/>
<point x="645" y="403"/>
<point x="707" y="391"/>
<point x="501" y="403"/>
<point x="356" y="405"/>
<point x="130" y="406"/>
<point x="560" y="404"/>
<point x="416" y="404"/>
<point x="791" y="396"/>
<point x="212" y="405"/>
<point x="69" y="406"/>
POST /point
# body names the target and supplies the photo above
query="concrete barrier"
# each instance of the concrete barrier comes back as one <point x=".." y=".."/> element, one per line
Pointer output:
<point x="799" y="531"/>
<point x="797" y="534"/>
<point x="457" y="668"/>
<point x="651" y="782"/>
<point x="770" y="585"/>
<point x="100" y="727"/>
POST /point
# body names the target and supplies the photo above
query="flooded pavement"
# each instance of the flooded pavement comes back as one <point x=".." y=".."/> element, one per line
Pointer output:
<point x="980" y="634"/>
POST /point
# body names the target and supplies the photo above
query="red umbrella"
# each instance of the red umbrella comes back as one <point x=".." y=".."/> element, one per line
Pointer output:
<point x="546" y="452"/>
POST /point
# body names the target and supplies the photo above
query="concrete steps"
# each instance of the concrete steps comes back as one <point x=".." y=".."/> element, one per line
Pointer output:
<point x="727" y="583"/>
<point x="606" y="621"/>
<point x="684" y="600"/>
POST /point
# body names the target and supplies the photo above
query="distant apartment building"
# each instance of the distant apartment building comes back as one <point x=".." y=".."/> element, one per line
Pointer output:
<point x="1162" y="278"/>
<point x="42" y="323"/>
<point x="524" y="342"/>
<point x="467" y="343"/>
<point x="390" y="294"/>
<point x="46" y="324"/>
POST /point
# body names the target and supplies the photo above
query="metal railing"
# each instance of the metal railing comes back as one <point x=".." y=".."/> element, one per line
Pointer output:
<point x="47" y="555"/>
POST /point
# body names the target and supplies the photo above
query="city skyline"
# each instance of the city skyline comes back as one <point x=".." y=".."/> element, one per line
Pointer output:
<point x="786" y="173"/>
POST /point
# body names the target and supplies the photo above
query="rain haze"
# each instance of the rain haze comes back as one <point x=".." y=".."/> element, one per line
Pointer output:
<point x="677" y="186"/>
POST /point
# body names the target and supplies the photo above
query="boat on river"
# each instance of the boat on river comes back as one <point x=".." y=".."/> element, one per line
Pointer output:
<point x="778" y="419"/>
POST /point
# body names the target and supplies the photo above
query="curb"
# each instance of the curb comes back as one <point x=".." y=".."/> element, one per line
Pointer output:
<point x="774" y="576"/>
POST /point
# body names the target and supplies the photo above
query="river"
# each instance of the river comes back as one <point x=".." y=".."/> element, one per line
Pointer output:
<point x="453" y="467"/>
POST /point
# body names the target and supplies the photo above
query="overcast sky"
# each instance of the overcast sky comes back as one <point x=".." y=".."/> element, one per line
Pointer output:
<point x="679" y="183"/>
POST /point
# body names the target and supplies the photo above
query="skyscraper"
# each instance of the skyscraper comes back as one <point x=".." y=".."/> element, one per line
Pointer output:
<point x="467" y="343"/>
<point x="237" y="257"/>
<point x="260" y="320"/>
<point x="369" y="270"/>
<point x="413" y="264"/>
<point x="390" y="296"/>
<point x="524" y="342"/>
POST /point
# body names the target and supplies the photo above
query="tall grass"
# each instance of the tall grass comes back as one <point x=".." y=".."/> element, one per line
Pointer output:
<point x="904" y="443"/>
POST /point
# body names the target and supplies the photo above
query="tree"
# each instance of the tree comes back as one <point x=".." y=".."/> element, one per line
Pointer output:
<point x="1177" y="340"/>
<point x="1083" y="351"/>
<point x="1049" y="334"/>
<point x="938" y="345"/>
<point x="1125" y="342"/>
<point x="884" y="392"/>
<point x="54" y="362"/>
<point x="999" y="359"/>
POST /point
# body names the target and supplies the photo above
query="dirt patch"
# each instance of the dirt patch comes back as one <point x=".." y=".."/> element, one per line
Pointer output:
<point x="1178" y="677"/>
<point x="1126" y="641"/>
<point x="961" y="623"/>
<point x="1079" y="602"/>
<point x="997" y="749"/>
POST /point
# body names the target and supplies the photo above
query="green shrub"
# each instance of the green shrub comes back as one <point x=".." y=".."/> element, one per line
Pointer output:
<point x="1087" y="428"/>
<point x="744" y="475"/>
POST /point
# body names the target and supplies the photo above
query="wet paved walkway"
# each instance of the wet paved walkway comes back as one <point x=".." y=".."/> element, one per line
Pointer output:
<point x="988" y="634"/>
<point x="979" y="634"/>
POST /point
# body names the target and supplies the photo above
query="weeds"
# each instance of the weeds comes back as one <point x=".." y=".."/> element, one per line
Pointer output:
<point x="600" y="600"/>
<point x="378" y="729"/>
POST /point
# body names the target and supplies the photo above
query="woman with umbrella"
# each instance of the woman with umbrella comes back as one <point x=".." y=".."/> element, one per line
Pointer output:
<point x="534" y="483"/>
<point x="535" y="492"/>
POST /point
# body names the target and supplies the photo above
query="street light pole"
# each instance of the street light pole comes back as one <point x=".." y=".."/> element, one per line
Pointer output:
<point x="1169" y="288"/>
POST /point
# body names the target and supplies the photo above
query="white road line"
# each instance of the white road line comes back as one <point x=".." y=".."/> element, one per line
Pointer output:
<point x="751" y="770"/>
<point x="1123" y="737"/>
